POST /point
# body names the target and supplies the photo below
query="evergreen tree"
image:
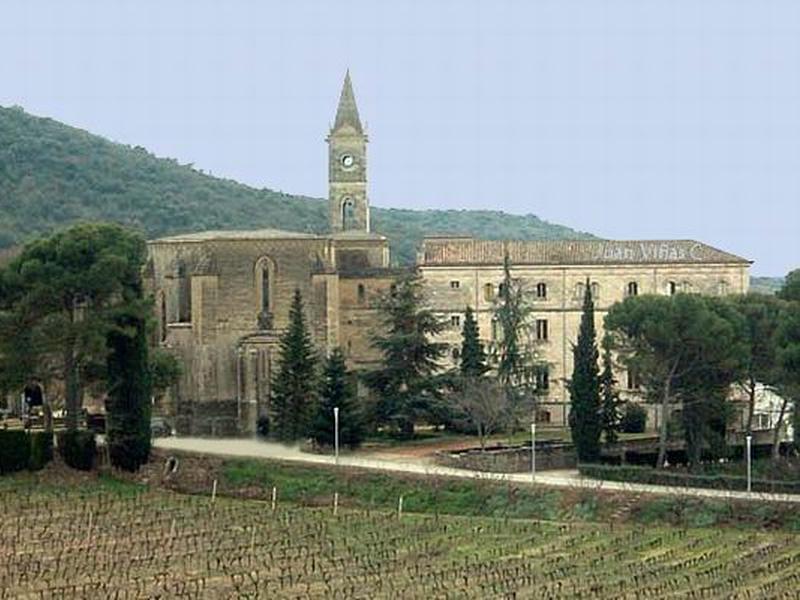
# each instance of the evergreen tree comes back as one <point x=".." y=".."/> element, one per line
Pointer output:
<point x="610" y="406"/>
<point x="337" y="389"/>
<point x="293" y="390"/>
<point x="129" y="389"/>
<point x="584" y="388"/>
<point x="473" y="356"/>
<point x="406" y="385"/>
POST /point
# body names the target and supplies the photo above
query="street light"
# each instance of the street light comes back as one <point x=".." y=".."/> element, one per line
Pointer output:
<point x="533" y="452"/>
<point x="336" y="434"/>
<point x="749" y="439"/>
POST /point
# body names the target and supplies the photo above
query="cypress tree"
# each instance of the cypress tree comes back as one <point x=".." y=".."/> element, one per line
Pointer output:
<point x="293" y="389"/>
<point x="584" y="388"/>
<point x="337" y="389"/>
<point x="610" y="415"/>
<point x="129" y="390"/>
<point x="473" y="356"/>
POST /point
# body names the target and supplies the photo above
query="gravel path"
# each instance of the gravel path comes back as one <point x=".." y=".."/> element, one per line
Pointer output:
<point x="260" y="449"/>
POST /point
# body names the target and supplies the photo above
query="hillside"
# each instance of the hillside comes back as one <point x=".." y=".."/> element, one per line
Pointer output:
<point x="52" y="174"/>
<point x="766" y="285"/>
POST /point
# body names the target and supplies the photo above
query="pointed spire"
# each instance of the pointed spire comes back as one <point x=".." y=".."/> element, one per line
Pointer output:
<point x="347" y="112"/>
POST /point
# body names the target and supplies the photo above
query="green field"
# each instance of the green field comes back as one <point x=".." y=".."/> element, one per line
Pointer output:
<point x="105" y="538"/>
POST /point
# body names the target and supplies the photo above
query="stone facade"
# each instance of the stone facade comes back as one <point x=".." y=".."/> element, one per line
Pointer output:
<point x="461" y="272"/>
<point x="222" y="297"/>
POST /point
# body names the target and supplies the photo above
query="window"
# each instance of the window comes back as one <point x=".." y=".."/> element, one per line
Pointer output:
<point x="633" y="288"/>
<point x="184" y="295"/>
<point x="672" y="288"/>
<point x="264" y="288"/>
<point x="543" y="416"/>
<point x="348" y="214"/>
<point x="495" y="329"/>
<point x="456" y="354"/>
<point x="393" y="290"/>
<point x="595" y="291"/>
<point x="454" y="285"/>
<point x="543" y="378"/>
<point x="488" y="292"/>
<point x="455" y="321"/>
<point x="362" y="293"/>
<point x="541" y="329"/>
<point x="501" y="289"/>
<point x="723" y="288"/>
<point x="541" y="291"/>
<point x="580" y="291"/>
<point x="163" y="317"/>
<point x="633" y="380"/>
<point x="761" y="421"/>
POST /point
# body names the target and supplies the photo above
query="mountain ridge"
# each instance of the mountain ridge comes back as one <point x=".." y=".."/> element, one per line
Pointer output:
<point x="52" y="174"/>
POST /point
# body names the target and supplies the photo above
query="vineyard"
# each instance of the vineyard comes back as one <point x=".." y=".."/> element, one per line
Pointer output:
<point x="124" y="543"/>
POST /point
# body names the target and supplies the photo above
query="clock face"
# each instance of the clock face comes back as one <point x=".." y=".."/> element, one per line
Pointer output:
<point x="348" y="161"/>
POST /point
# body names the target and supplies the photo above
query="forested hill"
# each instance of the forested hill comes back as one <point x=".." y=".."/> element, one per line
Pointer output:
<point x="52" y="174"/>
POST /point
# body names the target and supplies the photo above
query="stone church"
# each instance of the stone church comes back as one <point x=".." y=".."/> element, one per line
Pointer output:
<point x="222" y="297"/>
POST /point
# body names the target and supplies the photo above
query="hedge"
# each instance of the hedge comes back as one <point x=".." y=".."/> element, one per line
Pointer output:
<point x="15" y="451"/>
<point x="41" y="450"/>
<point x="78" y="449"/>
<point x="678" y="479"/>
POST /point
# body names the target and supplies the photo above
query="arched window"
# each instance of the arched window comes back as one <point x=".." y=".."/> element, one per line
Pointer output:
<point x="265" y="282"/>
<point x="580" y="290"/>
<point x="595" y="290"/>
<point x="184" y="294"/>
<point x="348" y="214"/>
<point x="541" y="290"/>
<point x="672" y="288"/>
<point x="162" y="316"/>
<point x="723" y="288"/>
<point x="633" y="288"/>
<point x="362" y="293"/>
<point x="488" y="292"/>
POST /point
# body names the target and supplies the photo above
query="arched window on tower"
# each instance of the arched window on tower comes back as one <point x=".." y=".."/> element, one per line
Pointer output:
<point x="348" y="214"/>
<point x="362" y="293"/>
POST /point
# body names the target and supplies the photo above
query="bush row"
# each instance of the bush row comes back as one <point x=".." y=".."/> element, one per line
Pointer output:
<point x="20" y="450"/>
<point x="633" y="474"/>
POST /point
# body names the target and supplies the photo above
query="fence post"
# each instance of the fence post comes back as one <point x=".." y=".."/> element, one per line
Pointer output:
<point x="400" y="508"/>
<point x="274" y="497"/>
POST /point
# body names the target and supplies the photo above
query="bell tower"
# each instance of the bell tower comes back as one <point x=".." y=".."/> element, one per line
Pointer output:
<point x="347" y="166"/>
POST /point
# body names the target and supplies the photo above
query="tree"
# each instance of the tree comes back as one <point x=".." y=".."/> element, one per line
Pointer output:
<point x="406" y="385"/>
<point x="473" y="356"/>
<point x="516" y="357"/>
<point x="791" y="287"/>
<point x="294" y="387"/>
<point x="129" y="392"/>
<point x="484" y="404"/>
<point x="337" y="390"/>
<point x="610" y="401"/>
<point x="584" y="387"/>
<point x="59" y="299"/>
<point x="684" y="348"/>
<point x="760" y="315"/>
<point x="788" y="377"/>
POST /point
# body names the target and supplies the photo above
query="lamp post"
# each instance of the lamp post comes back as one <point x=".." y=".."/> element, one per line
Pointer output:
<point x="749" y="439"/>
<point x="533" y="452"/>
<point x="336" y="434"/>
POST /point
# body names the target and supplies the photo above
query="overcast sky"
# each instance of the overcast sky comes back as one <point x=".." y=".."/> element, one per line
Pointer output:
<point x="629" y="119"/>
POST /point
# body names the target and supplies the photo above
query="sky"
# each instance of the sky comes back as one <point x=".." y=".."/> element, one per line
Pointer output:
<point x="629" y="119"/>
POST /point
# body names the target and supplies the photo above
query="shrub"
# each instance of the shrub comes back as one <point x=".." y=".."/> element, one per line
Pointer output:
<point x="78" y="449"/>
<point x="41" y="453"/>
<point x="634" y="419"/>
<point x="15" y="451"/>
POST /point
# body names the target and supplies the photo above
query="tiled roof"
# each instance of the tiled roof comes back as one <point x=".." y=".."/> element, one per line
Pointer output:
<point x="257" y="234"/>
<point x="460" y="251"/>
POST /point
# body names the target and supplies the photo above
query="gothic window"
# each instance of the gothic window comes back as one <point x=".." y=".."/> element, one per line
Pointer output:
<point x="488" y="292"/>
<point x="633" y="288"/>
<point x="184" y="295"/>
<point x="348" y="214"/>
<point x="265" y="275"/>
<point x="454" y="285"/>
<point x="362" y="293"/>
<point x="541" y="329"/>
<point x="541" y="291"/>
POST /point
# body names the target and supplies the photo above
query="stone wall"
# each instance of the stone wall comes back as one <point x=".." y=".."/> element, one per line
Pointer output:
<point x="511" y="459"/>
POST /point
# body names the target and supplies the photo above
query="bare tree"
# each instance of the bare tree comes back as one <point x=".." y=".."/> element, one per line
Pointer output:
<point x="483" y="401"/>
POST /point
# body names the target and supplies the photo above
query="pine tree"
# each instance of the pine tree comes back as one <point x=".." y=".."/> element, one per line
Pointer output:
<point x="406" y="386"/>
<point x="584" y="388"/>
<point x="610" y="406"/>
<point x="129" y="389"/>
<point x="473" y="356"/>
<point x="293" y="390"/>
<point x="337" y="389"/>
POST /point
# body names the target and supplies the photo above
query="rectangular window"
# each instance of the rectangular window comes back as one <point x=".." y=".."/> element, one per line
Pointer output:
<point x="541" y="291"/>
<point x="454" y="285"/>
<point x="455" y="320"/>
<point x="633" y="380"/>
<point x="543" y="378"/>
<point x="541" y="329"/>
